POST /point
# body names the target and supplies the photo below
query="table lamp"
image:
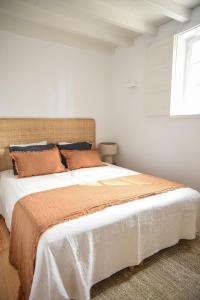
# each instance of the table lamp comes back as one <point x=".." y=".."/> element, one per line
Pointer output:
<point x="107" y="151"/>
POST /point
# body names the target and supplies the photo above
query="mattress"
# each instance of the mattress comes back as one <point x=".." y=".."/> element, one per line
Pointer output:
<point x="74" y="255"/>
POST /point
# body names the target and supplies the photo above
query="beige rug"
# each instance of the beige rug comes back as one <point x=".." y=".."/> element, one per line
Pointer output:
<point x="173" y="273"/>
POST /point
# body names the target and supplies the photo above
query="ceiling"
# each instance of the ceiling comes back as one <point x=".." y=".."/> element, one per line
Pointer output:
<point x="102" y="24"/>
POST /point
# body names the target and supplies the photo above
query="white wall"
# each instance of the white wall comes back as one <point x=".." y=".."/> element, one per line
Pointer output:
<point x="158" y="145"/>
<point x="44" y="79"/>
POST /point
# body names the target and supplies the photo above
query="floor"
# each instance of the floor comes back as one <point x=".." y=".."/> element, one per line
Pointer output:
<point x="171" y="274"/>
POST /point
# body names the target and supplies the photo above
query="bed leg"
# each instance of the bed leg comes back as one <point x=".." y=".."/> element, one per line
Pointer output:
<point x="131" y="268"/>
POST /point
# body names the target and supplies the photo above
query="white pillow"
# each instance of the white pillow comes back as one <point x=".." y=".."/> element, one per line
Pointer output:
<point x="24" y="145"/>
<point x="65" y="143"/>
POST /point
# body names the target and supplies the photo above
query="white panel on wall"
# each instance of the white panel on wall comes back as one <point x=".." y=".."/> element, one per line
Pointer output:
<point x="158" y="75"/>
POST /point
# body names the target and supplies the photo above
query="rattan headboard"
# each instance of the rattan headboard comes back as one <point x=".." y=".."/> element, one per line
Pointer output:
<point x="24" y="131"/>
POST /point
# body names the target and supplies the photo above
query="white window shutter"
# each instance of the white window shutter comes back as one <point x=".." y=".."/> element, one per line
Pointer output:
<point x="158" y="78"/>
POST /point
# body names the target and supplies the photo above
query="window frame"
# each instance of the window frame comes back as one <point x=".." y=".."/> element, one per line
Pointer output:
<point x="181" y="51"/>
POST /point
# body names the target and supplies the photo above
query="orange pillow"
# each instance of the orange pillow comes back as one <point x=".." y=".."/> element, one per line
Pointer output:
<point x="37" y="163"/>
<point x="82" y="159"/>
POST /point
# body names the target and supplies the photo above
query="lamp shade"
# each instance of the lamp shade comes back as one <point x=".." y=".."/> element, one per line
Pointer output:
<point x="108" y="148"/>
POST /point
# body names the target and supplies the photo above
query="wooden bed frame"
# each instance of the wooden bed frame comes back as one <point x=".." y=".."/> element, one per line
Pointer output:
<point x="24" y="131"/>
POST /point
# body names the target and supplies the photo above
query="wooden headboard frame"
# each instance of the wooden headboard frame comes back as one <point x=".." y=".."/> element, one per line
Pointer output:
<point x="24" y="131"/>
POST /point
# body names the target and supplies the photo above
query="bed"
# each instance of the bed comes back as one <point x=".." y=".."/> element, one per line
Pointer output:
<point x="74" y="255"/>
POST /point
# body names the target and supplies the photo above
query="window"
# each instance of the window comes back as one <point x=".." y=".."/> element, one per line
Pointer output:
<point x="185" y="97"/>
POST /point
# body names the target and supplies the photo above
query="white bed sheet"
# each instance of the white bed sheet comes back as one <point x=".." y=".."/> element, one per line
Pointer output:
<point x="74" y="255"/>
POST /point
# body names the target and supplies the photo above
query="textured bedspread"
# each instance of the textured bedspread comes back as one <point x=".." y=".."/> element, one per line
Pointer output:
<point x="37" y="212"/>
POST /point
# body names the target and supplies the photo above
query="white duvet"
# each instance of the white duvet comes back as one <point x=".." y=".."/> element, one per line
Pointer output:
<point x="74" y="255"/>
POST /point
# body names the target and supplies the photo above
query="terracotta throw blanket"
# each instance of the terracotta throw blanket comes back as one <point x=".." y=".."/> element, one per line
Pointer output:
<point x="37" y="212"/>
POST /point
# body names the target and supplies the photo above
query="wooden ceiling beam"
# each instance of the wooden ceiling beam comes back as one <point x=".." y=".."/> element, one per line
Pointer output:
<point x="171" y="9"/>
<point x="67" y="23"/>
<point x="113" y="15"/>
